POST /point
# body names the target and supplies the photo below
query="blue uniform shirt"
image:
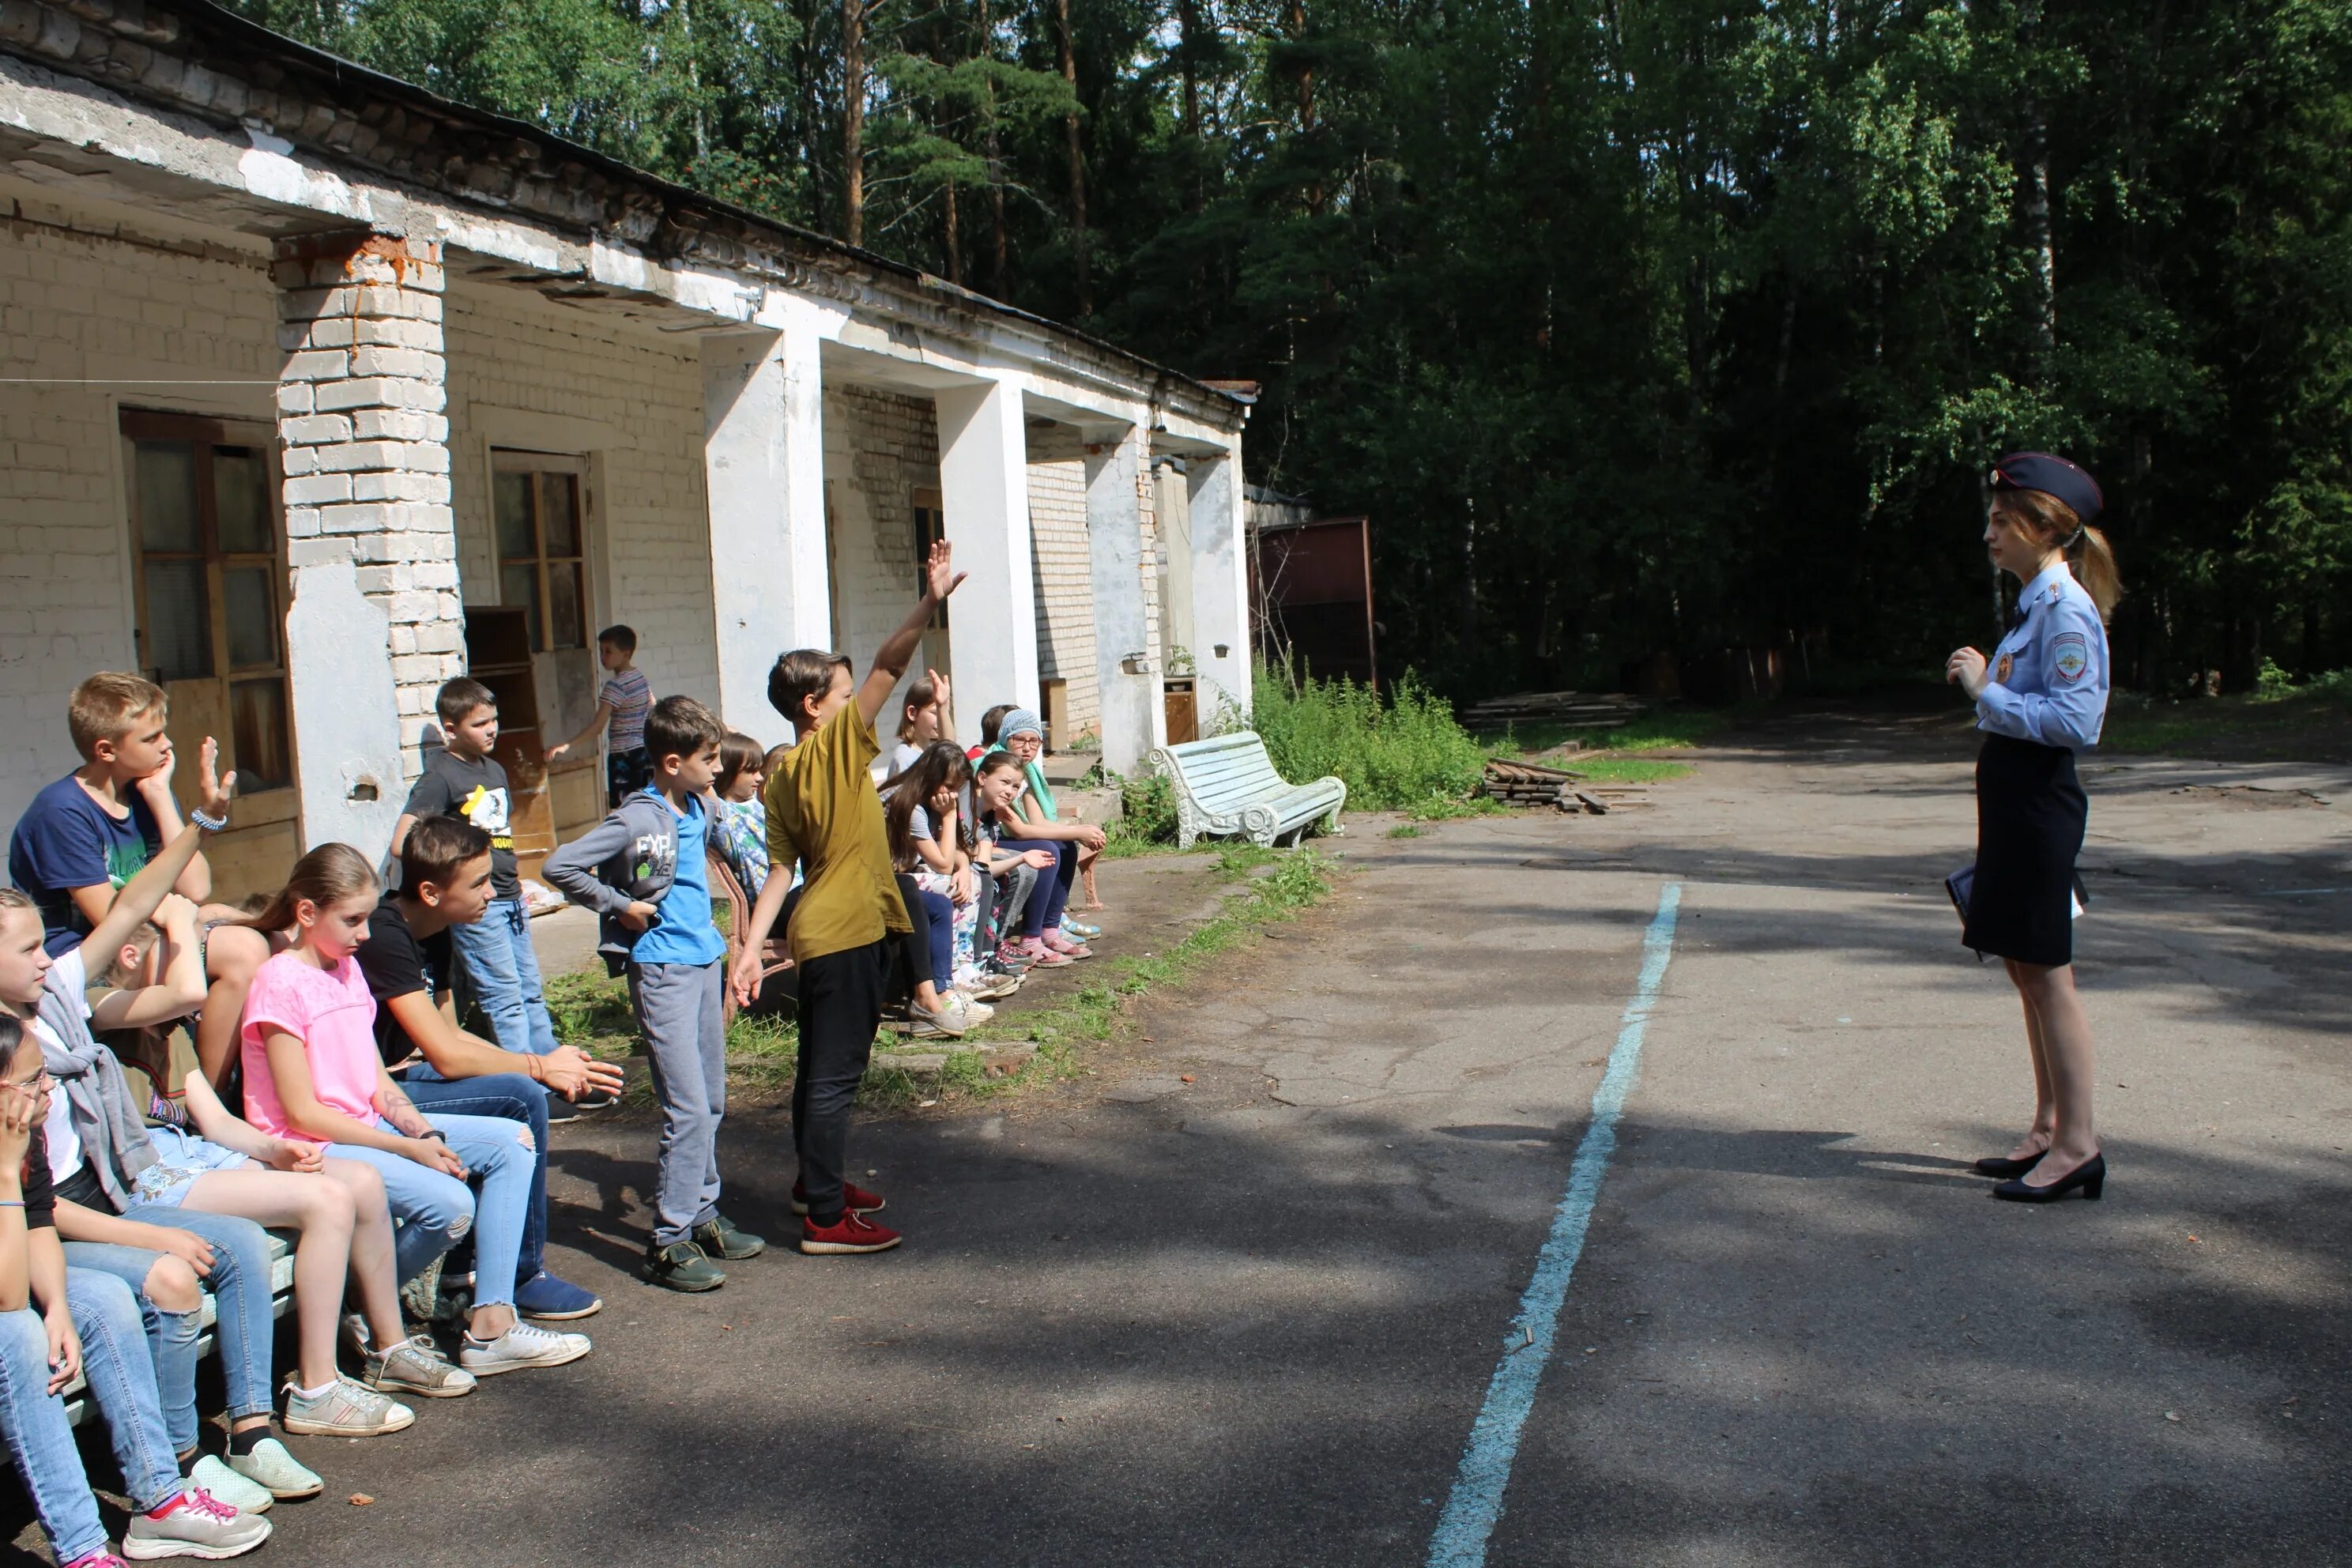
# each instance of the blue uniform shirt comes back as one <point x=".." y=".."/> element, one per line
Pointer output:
<point x="2049" y="675"/>
<point x="683" y="932"/>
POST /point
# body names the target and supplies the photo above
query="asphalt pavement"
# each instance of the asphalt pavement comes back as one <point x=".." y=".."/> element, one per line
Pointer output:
<point x="1236" y="1296"/>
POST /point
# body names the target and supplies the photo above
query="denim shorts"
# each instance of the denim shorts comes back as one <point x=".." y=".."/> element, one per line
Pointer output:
<point x="182" y="1157"/>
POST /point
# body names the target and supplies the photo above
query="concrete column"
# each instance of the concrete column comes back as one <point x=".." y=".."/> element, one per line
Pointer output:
<point x="984" y="479"/>
<point x="376" y="625"/>
<point x="1220" y="625"/>
<point x="1133" y="717"/>
<point x="764" y="461"/>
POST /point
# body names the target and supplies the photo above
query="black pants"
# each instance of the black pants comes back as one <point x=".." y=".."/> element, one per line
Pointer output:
<point x="912" y="964"/>
<point x="841" y="1006"/>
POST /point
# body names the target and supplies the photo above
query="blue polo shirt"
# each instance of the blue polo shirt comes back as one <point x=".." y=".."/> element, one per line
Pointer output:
<point x="683" y="933"/>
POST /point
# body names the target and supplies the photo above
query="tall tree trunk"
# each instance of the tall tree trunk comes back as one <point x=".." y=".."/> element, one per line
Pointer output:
<point x="954" y="236"/>
<point x="992" y="149"/>
<point x="853" y="120"/>
<point x="1295" y="20"/>
<point x="693" y="78"/>
<point x="1077" y="160"/>
<point x="2041" y="251"/>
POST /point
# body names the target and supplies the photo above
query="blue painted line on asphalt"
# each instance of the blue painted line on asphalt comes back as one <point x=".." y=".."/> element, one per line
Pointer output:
<point x="1476" y="1503"/>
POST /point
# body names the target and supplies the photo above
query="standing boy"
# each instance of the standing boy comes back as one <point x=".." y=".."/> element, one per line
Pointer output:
<point x="90" y="832"/>
<point x="623" y="703"/>
<point x="464" y="780"/>
<point x="823" y="812"/>
<point x="445" y="883"/>
<point x="643" y="870"/>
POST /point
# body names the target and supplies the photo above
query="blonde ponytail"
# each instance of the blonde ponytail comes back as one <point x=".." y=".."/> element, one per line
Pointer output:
<point x="2092" y="560"/>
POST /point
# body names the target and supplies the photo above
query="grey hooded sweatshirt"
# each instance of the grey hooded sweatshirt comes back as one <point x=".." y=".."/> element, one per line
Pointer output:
<point x="629" y="857"/>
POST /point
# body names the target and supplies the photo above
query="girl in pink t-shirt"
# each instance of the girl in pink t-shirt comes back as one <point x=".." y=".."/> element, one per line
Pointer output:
<point x="312" y="1071"/>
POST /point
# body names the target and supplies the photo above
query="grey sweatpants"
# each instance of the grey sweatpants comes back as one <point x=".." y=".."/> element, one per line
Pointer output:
<point x="679" y="1007"/>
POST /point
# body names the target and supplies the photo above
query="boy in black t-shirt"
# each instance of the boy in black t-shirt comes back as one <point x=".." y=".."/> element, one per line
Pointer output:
<point x="445" y="888"/>
<point x="464" y="780"/>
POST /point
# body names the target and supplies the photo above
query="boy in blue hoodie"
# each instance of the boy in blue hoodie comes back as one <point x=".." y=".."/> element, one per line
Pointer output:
<point x="642" y="871"/>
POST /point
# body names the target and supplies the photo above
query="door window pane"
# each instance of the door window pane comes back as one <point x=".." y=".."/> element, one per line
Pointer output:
<point x="566" y="626"/>
<point x="257" y="722"/>
<point x="166" y="478"/>
<point x="511" y="503"/>
<point x="518" y="585"/>
<point x="559" y="514"/>
<point x="247" y="605"/>
<point x="241" y="507"/>
<point x="179" y="621"/>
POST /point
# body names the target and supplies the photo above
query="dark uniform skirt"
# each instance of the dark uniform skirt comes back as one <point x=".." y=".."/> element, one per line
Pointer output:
<point x="2030" y="816"/>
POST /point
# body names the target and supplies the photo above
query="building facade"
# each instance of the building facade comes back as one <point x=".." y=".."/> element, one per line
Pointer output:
<point x="317" y="390"/>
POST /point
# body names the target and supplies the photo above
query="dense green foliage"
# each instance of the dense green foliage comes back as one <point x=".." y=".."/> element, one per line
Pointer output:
<point x="1396" y="749"/>
<point x="1636" y="325"/>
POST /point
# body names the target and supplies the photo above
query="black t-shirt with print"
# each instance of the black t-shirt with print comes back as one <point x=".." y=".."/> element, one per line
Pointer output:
<point x="397" y="964"/>
<point x="474" y="789"/>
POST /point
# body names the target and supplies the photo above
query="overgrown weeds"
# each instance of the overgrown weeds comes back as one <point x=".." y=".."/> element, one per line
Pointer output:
<point x="1394" y="753"/>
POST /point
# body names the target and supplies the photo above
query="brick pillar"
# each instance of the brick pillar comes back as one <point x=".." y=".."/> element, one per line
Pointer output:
<point x="377" y="625"/>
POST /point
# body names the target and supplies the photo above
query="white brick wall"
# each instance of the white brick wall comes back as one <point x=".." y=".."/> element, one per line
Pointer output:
<point x="510" y="349"/>
<point x="880" y="448"/>
<point x="1066" y="599"/>
<point x="79" y="301"/>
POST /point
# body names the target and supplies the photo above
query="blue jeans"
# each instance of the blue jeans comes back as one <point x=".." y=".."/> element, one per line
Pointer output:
<point x="436" y="1211"/>
<point x="1043" y="912"/>
<point x="514" y="1097"/>
<point x="240" y="1288"/>
<point x="122" y="1377"/>
<point x="41" y="1440"/>
<point x="501" y="975"/>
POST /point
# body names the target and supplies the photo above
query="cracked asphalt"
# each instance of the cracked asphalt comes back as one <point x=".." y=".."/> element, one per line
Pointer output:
<point x="1235" y="1296"/>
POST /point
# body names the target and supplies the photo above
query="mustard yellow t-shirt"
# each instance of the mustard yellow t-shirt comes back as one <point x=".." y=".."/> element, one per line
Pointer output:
<point x="824" y="812"/>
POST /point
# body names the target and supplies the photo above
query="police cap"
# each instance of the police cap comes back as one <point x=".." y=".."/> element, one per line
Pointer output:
<point x="2056" y="477"/>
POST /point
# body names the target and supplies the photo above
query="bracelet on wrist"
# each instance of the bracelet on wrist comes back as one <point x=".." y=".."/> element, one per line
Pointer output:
<point x="12" y="1203"/>
<point x="197" y="818"/>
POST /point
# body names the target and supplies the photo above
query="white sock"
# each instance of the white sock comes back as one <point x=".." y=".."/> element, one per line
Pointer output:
<point x="314" y="1393"/>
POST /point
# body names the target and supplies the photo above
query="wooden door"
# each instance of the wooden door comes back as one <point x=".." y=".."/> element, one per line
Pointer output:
<point x="210" y="585"/>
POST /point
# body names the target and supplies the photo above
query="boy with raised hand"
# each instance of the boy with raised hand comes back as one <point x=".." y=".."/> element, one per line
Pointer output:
<point x="88" y="834"/>
<point x="644" y="869"/>
<point x="444" y="884"/>
<point x="823" y="812"/>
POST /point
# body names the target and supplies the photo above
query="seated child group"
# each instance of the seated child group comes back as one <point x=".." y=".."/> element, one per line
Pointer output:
<point x="182" y="1078"/>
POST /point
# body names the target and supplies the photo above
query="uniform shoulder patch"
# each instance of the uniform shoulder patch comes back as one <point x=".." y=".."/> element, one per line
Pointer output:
<point x="2070" y="657"/>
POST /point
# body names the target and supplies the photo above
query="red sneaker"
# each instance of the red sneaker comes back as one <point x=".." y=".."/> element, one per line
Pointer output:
<point x="854" y="1198"/>
<point x="853" y="1232"/>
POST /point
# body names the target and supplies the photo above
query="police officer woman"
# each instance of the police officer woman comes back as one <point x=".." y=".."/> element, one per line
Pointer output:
<point x="2043" y="699"/>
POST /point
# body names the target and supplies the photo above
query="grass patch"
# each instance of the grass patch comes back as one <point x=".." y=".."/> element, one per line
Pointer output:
<point x="1281" y="883"/>
<point x="1404" y="830"/>
<point x="1392" y="753"/>
<point x="2301" y="721"/>
<point x="1666" y="729"/>
<point x="592" y="1011"/>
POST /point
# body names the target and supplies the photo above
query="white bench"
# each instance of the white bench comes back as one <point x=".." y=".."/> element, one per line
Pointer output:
<point x="1227" y="785"/>
<point x="78" y="1407"/>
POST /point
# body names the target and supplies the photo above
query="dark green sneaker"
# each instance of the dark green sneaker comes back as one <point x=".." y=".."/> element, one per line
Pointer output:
<point x="717" y="1237"/>
<point x="681" y="1266"/>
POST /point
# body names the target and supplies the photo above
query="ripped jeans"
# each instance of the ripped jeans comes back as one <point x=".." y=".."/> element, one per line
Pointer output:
<point x="435" y="1211"/>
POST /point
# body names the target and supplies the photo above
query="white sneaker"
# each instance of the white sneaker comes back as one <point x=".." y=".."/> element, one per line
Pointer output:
<point x="344" y="1409"/>
<point x="979" y="1011"/>
<point x="416" y="1365"/>
<point x="276" y="1471"/>
<point x="229" y="1486"/>
<point x="195" y="1525"/>
<point x="355" y="1334"/>
<point x="523" y="1345"/>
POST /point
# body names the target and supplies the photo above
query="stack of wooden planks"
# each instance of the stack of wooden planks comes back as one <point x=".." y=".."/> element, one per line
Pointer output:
<point x="1576" y="709"/>
<point x="1529" y="783"/>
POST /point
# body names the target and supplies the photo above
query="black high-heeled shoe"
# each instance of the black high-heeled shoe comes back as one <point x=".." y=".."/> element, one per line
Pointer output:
<point x="1998" y="1165"/>
<point x="2090" y="1176"/>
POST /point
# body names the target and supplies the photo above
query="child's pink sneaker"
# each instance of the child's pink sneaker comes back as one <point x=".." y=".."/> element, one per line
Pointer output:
<point x="1055" y="942"/>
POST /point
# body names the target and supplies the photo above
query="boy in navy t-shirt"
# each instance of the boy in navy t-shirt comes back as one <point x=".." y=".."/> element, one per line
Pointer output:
<point x="93" y="830"/>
